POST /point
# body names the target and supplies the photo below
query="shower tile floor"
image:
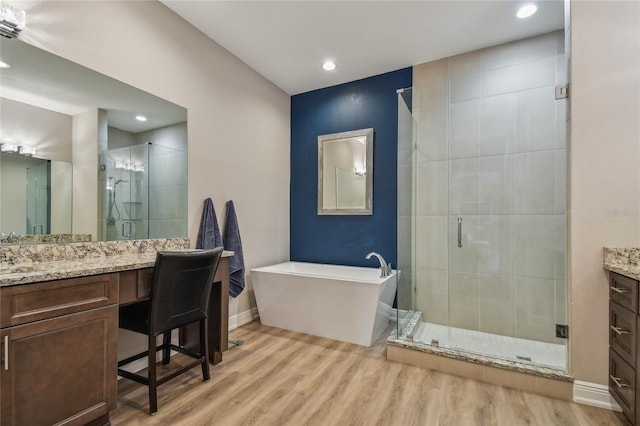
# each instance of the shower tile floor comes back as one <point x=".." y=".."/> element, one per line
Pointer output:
<point x="550" y="355"/>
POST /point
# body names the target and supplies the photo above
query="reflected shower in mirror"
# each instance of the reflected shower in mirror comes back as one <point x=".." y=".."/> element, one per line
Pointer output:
<point x="35" y="195"/>
<point x="345" y="173"/>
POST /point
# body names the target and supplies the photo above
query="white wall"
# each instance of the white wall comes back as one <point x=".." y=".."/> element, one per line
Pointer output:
<point x="605" y="166"/>
<point x="238" y="122"/>
<point x="85" y="174"/>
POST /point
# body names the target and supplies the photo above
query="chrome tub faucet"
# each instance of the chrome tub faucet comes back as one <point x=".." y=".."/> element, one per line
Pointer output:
<point x="385" y="268"/>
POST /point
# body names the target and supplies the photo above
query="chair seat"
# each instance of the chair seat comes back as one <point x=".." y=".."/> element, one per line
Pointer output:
<point x="135" y="317"/>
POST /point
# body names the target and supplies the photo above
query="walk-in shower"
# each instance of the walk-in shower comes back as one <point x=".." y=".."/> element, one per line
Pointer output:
<point x="482" y="154"/>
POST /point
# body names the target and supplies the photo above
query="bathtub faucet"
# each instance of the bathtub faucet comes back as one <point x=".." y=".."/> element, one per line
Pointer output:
<point x="385" y="268"/>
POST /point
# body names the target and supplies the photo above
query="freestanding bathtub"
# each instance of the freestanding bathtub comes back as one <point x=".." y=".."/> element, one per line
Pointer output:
<point x="347" y="303"/>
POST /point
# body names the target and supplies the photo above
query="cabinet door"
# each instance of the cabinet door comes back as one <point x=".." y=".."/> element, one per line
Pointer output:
<point x="60" y="371"/>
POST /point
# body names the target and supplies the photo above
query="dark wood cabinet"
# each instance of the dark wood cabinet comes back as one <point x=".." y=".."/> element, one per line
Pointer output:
<point x="624" y="323"/>
<point x="58" y="363"/>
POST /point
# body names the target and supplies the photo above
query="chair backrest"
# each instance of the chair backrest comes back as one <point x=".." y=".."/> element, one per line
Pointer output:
<point x="181" y="288"/>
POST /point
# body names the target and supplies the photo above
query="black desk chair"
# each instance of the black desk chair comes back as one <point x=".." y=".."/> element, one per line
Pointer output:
<point x="180" y="291"/>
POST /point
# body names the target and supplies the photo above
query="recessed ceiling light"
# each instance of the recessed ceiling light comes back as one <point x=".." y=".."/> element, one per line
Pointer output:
<point x="329" y="66"/>
<point x="141" y="118"/>
<point x="4" y="65"/>
<point x="527" y="10"/>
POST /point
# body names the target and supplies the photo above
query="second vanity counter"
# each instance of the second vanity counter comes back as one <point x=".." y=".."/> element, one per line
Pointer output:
<point x="624" y="261"/>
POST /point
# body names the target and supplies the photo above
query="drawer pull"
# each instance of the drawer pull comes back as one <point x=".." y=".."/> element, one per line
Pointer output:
<point x="6" y="352"/>
<point x="619" y="331"/>
<point x="620" y="290"/>
<point x="621" y="383"/>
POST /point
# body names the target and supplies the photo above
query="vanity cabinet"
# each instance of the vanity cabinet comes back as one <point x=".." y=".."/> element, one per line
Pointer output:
<point x="58" y="357"/>
<point x="624" y="323"/>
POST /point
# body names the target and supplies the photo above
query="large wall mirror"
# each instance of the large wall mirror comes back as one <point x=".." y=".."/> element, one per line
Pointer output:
<point x="345" y="173"/>
<point x="141" y="144"/>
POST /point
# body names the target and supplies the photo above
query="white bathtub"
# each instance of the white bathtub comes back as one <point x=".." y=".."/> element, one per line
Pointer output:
<point x="347" y="303"/>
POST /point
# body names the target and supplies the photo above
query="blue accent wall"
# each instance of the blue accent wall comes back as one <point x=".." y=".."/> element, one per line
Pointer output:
<point x="345" y="240"/>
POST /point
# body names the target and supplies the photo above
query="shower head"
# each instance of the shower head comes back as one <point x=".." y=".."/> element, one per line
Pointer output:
<point x="120" y="181"/>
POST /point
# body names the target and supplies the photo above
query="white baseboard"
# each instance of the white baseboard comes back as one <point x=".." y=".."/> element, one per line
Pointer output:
<point x="595" y="395"/>
<point x="242" y="318"/>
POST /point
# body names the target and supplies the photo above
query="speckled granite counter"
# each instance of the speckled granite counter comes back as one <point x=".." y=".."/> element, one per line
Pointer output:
<point x="46" y="262"/>
<point x="624" y="261"/>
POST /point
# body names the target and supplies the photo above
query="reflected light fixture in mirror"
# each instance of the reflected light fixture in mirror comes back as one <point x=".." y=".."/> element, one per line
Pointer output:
<point x="8" y="147"/>
<point x="27" y="151"/>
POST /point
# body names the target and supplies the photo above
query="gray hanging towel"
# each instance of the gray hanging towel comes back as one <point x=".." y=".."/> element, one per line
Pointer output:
<point x="231" y="241"/>
<point x="209" y="232"/>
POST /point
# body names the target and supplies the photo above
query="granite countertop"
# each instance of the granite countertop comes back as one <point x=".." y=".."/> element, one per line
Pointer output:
<point x="62" y="269"/>
<point x="624" y="261"/>
<point x="23" y="264"/>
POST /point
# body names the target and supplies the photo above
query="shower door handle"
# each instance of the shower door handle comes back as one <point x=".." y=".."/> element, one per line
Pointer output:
<point x="126" y="235"/>
<point x="459" y="232"/>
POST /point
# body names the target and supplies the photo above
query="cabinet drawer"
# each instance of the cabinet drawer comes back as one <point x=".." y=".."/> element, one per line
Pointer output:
<point x="623" y="290"/>
<point x="135" y="285"/>
<point x="33" y="302"/>
<point x="622" y="332"/>
<point x="622" y="383"/>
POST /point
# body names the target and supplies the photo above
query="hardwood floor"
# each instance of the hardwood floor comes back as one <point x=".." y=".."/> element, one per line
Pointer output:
<point x="279" y="377"/>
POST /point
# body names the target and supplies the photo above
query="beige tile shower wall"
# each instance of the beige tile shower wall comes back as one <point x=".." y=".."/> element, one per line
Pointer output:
<point x="605" y="166"/>
<point x="493" y="114"/>
<point x="238" y="122"/>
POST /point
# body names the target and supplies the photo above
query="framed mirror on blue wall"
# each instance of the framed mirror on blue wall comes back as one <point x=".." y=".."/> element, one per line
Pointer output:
<point x="345" y="173"/>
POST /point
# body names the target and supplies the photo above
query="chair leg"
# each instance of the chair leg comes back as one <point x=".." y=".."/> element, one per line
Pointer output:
<point x="166" y="350"/>
<point x="153" y="395"/>
<point x="204" y="349"/>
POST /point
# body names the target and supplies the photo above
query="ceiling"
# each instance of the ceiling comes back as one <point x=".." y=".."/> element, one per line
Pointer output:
<point x="287" y="41"/>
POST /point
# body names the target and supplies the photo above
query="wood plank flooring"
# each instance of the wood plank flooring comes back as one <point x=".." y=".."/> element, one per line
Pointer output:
<point x="279" y="377"/>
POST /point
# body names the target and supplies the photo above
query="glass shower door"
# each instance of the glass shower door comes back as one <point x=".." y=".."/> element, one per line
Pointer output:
<point x="38" y="199"/>
<point x="405" y="306"/>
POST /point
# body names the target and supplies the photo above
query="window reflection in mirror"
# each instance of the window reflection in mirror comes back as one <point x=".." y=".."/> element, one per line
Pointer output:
<point x="345" y="173"/>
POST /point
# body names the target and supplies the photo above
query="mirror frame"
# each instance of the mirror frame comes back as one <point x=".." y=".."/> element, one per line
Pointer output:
<point x="368" y="208"/>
